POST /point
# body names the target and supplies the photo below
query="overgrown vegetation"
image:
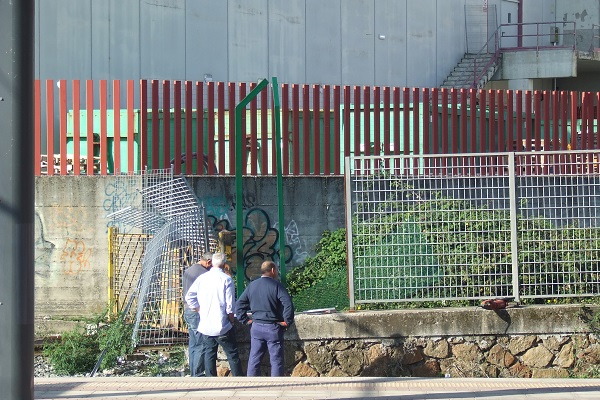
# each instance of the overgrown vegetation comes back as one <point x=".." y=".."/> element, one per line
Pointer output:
<point x="75" y="353"/>
<point x="422" y="244"/>
<point x="78" y="350"/>
<point x="322" y="281"/>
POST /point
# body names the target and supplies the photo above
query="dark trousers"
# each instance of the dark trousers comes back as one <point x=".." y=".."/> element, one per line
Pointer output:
<point x="265" y="337"/>
<point x="229" y="345"/>
<point x="196" y="343"/>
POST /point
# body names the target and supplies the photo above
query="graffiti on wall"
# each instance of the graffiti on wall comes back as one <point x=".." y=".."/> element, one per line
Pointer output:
<point x="261" y="233"/>
<point x="220" y="206"/>
<point x="75" y="256"/>
<point x="297" y="246"/>
<point x="261" y="240"/>
<point x="119" y="194"/>
<point x="44" y="250"/>
<point x="65" y="219"/>
<point x="248" y="201"/>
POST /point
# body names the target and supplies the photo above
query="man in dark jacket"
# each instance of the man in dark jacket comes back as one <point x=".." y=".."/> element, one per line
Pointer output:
<point x="272" y="312"/>
<point x="196" y="346"/>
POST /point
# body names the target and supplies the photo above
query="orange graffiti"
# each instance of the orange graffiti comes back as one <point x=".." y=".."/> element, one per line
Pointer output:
<point x="76" y="257"/>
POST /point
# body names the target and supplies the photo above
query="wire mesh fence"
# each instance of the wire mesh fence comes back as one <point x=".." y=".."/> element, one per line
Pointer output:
<point x="473" y="226"/>
<point x="126" y="253"/>
<point x="173" y="234"/>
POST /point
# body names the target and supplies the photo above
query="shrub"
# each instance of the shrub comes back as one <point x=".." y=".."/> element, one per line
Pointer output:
<point x="115" y="340"/>
<point x="77" y="351"/>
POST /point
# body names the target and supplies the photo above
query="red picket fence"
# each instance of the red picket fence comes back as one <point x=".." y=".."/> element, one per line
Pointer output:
<point x="93" y="128"/>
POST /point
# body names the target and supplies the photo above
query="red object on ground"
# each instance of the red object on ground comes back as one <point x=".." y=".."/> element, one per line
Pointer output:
<point x="494" y="304"/>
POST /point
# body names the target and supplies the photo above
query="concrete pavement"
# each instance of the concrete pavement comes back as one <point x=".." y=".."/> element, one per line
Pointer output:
<point x="266" y="388"/>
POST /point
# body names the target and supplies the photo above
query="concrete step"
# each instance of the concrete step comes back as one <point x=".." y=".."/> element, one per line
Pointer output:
<point x="469" y="66"/>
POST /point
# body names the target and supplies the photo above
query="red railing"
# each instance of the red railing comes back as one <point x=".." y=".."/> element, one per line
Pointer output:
<point x="537" y="35"/>
<point x="321" y="124"/>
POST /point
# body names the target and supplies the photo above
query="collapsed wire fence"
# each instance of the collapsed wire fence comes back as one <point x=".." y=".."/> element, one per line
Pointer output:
<point x="473" y="226"/>
<point x="167" y="232"/>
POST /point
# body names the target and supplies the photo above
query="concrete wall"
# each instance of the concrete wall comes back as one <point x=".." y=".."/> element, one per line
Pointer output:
<point x="71" y="268"/>
<point x="71" y="255"/>
<point x="538" y="64"/>
<point x="311" y="205"/>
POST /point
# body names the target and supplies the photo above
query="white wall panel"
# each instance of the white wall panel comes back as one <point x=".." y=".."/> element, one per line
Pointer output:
<point x="206" y="47"/>
<point x="123" y="39"/>
<point x="162" y="41"/>
<point x="358" y="39"/>
<point x="450" y="43"/>
<point x="101" y="42"/>
<point x="287" y="41"/>
<point x="299" y="41"/>
<point x="323" y="42"/>
<point x="248" y="40"/>
<point x="421" y="43"/>
<point x="65" y="39"/>
<point x="390" y="42"/>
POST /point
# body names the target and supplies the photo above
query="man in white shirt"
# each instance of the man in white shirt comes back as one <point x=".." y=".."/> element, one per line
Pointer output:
<point x="213" y="295"/>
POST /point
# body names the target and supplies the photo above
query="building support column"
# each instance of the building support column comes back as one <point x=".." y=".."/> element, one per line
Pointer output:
<point x="16" y="198"/>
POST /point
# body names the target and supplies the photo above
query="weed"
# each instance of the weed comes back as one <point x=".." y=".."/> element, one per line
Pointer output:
<point x="78" y="350"/>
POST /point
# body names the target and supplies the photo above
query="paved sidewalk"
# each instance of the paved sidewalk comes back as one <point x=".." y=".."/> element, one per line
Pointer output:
<point x="266" y="388"/>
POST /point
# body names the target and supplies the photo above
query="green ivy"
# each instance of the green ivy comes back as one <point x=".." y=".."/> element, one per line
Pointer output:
<point x="321" y="281"/>
<point x="331" y="256"/>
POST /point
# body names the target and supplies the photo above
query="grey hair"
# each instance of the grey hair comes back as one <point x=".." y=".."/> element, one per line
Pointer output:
<point x="219" y="259"/>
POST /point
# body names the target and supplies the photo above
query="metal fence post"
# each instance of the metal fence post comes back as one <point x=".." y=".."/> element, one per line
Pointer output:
<point x="512" y="190"/>
<point x="239" y="171"/>
<point x="350" y="256"/>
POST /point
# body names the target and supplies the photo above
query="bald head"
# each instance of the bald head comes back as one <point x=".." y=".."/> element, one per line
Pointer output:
<point x="268" y="268"/>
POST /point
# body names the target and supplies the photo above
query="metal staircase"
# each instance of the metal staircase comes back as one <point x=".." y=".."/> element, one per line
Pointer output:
<point x="473" y="71"/>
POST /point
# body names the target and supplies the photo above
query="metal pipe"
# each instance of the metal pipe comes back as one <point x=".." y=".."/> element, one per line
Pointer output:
<point x="280" y="212"/>
<point x="520" y="24"/>
<point x="239" y="170"/>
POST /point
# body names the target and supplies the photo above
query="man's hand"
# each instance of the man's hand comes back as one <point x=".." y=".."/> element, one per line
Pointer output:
<point x="284" y="324"/>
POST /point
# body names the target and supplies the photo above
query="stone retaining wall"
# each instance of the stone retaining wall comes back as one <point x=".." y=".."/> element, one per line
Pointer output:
<point x="528" y="342"/>
<point x="527" y="356"/>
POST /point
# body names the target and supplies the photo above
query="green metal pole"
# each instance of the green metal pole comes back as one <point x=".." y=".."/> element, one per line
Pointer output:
<point x="239" y="220"/>
<point x="279" y="180"/>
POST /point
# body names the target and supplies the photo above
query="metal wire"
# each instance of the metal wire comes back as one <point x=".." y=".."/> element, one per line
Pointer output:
<point x="472" y="226"/>
<point x="174" y="236"/>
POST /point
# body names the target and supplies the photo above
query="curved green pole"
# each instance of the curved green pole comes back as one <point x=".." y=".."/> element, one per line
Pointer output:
<point x="240" y="144"/>
<point x="279" y="180"/>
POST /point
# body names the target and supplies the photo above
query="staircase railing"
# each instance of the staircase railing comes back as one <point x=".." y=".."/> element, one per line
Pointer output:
<point x="493" y="44"/>
<point x="540" y="35"/>
<point x="555" y="40"/>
